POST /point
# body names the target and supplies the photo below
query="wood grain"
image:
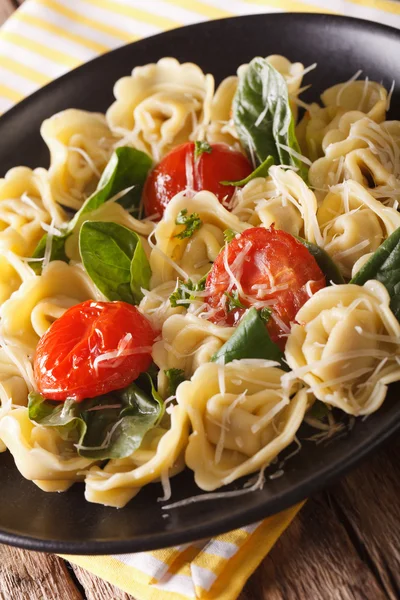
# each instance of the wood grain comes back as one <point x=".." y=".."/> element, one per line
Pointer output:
<point x="33" y="576"/>
<point x="6" y="8"/>
<point x="315" y="559"/>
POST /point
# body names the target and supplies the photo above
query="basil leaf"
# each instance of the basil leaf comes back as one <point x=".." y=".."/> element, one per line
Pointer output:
<point x="324" y="261"/>
<point x="127" y="168"/>
<point x="57" y="251"/>
<point x="262" y="115"/>
<point x="175" y="377"/>
<point x="109" y="426"/>
<point x="114" y="259"/>
<point x="260" y="171"/>
<point x="140" y="272"/>
<point x="200" y="148"/>
<point x="384" y="266"/>
<point x="250" y="340"/>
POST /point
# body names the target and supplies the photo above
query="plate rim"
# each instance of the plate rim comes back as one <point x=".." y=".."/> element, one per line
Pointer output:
<point x="242" y="517"/>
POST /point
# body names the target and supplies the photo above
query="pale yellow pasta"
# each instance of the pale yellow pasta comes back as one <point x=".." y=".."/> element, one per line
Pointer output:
<point x="27" y="315"/>
<point x="161" y="105"/>
<point x="190" y="257"/>
<point x="240" y="419"/>
<point x="40" y="454"/>
<point x="221" y="128"/>
<point x="159" y="456"/>
<point x="353" y="223"/>
<point x="80" y="144"/>
<point x="186" y="343"/>
<point x="346" y="347"/>
<point x="365" y="151"/>
<point x="368" y="97"/>
<point x="356" y="99"/>
<point x="26" y="207"/>
<point x="156" y="305"/>
<point x="282" y="199"/>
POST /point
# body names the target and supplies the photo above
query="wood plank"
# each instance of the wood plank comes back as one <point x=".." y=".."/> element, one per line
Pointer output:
<point x="34" y="576"/>
<point x="7" y="7"/>
<point x="368" y="502"/>
<point x="98" y="589"/>
<point x="315" y="558"/>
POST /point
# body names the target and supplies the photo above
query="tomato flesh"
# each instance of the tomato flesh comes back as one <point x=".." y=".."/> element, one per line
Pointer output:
<point x="114" y="333"/>
<point x="180" y="170"/>
<point x="273" y="270"/>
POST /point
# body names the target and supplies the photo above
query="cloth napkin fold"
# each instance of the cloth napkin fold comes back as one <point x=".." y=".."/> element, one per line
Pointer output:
<point x="43" y="40"/>
<point x="215" y="569"/>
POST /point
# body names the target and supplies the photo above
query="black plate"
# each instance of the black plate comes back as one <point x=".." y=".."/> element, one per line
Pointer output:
<point x="65" y="522"/>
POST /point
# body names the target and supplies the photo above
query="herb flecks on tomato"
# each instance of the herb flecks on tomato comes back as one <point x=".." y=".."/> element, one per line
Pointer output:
<point x="262" y="268"/>
<point x="197" y="168"/>
<point x="93" y="349"/>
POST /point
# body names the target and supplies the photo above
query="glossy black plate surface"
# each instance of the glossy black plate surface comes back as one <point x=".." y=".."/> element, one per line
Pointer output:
<point x="65" y="522"/>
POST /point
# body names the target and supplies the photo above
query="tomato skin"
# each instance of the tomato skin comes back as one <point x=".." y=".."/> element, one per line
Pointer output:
<point x="272" y="256"/>
<point x="64" y="363"/>
<point x="169" y="177"/>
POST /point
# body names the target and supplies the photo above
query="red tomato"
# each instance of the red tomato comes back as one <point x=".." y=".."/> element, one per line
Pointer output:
<point x="179" y="170"/>
<point x="94" y="348"/>
<point x="273" y="269"/>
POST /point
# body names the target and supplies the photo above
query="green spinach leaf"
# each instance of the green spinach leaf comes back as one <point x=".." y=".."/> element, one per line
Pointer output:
<point x="324" y="261"/>
<point x="114" y="259"/>
<point x="127" y="168"/>
<point x="250" y="340"/>
<point x="263" y="118"/>
<point x="384" y="265"/>
<point x="175" y="377"/>
<point x="260" y="171"/>
<point x="109" y="426"/>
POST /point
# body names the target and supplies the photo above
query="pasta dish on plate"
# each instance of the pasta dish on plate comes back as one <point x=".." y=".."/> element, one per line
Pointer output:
<point x="199" y="272"/>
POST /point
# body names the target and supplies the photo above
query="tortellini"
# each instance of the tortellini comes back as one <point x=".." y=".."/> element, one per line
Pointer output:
<point x="353" y="223"/>
<point x="159" y="455"/>
<point x="156" y="304"/>
<point x="26" y="207"/>
<point x="241" y="419"/>
<point x="186" y="343"/>
<point x="356" y="99"/>
<point x="364" y="151"/>
<point x="190" y="257"/>
<point x="282" y="199"/>
<point x="80" y="144"/>
<point x="27" y="315"/>
<point x="346" y="346"/>
<point x="40" y="454"/>
<point x="161" y="105"/>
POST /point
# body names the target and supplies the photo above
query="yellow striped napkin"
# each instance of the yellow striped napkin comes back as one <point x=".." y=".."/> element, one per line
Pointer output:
<point x="43" y="40"/>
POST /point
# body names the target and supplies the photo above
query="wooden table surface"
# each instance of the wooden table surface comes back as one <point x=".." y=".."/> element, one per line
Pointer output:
<point x="344" y="544"/>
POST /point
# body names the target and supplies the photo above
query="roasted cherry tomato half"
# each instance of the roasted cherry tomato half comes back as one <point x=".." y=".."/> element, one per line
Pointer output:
<point x="264" y="268"/>
<point x="180" y="170"/>
<point x="94" y="348"/>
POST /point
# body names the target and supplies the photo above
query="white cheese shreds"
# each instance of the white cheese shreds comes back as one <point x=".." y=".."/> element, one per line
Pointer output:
<point x="87" y="158"/>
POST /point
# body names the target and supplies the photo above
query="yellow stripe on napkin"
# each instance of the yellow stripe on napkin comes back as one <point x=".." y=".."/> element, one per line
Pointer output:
<point x="193" y="571"/>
